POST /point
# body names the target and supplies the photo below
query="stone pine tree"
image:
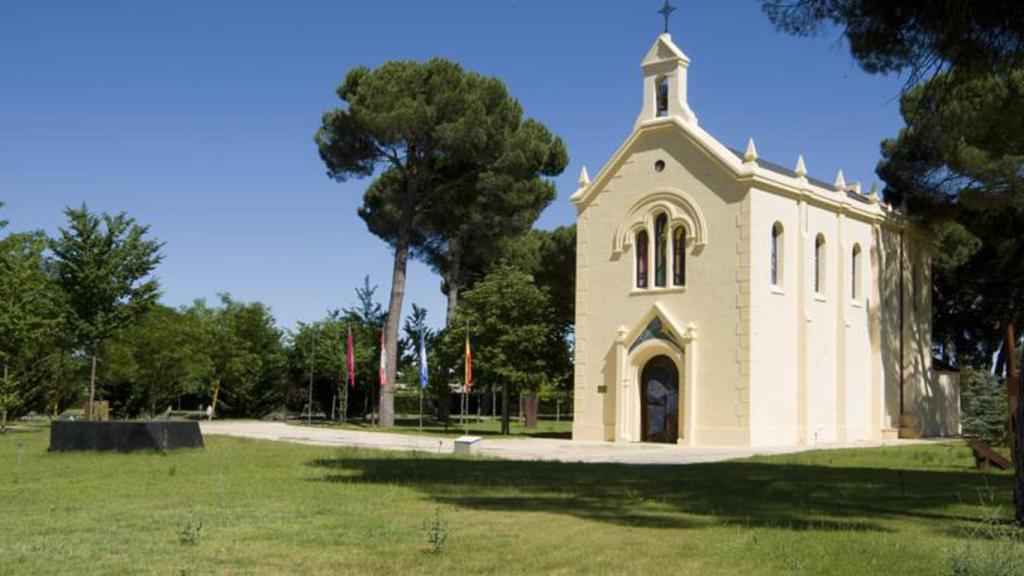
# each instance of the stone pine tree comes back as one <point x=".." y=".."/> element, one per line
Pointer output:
<point x="486" y="203"/>
<point x="432" y="133"/>
<point x="103" y="264"/>
<point x="959" y="163"/>
<point x="550" y="257"/>
<point x="913" y="37"/>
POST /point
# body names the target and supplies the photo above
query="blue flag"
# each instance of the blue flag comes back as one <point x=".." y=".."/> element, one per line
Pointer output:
<point x="423" y="362"/>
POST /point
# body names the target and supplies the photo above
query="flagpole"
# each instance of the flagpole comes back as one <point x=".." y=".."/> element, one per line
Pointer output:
<point x="312" y="366"/>
<point x="465" y="387"/>
<point x="341" y="379"/>
<point x="350" y="374"/>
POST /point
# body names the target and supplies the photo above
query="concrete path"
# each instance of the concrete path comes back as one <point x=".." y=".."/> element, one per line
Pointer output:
<point x="507" y="448"/>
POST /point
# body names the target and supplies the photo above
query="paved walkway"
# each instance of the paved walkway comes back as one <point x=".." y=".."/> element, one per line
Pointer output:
<point x="507" y="448"/>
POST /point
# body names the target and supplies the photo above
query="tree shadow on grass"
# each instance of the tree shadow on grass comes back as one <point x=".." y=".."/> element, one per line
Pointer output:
<point x="797" y="497"/>
<point x="555" y="435"/>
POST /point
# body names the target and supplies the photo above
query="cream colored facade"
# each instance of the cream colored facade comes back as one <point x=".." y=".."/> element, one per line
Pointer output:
<point x="810" y="352"/>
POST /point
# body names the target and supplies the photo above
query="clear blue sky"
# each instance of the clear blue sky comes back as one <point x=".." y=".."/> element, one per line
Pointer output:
<point x="197" y="117"/>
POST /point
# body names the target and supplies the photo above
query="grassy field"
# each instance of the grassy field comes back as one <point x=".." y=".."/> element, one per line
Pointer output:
<point x="250" y="507"/>
<point x="483" y="427"/>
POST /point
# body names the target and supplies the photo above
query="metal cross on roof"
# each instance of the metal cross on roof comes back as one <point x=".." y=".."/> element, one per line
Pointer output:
<point x="666" y="11"/>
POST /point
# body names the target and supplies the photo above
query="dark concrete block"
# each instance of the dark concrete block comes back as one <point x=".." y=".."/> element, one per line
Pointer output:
<point x="66" y="435"/>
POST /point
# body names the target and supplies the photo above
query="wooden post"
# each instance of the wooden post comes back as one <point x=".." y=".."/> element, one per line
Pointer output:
<point x="216" y="391"/>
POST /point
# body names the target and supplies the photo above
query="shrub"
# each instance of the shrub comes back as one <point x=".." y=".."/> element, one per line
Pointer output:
<point x="437" y="532"/>
<point x="983" y="405"/>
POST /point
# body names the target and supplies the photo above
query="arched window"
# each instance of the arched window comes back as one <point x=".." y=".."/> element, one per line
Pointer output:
<point x="776" y="248"/>
<point x="819" y="265"/>
<point x="661" y="86"/>
<point x="641" y="259"/>
<point x="660" y="249"/>
<point x="855" y="272"/>
<point x="679" y="256"/>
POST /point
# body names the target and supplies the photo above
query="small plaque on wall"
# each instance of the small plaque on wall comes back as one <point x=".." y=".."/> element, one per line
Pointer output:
<point x="602" y="389"/>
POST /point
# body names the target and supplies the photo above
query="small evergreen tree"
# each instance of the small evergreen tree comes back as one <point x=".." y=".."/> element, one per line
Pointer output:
<point x="982" y="406"/>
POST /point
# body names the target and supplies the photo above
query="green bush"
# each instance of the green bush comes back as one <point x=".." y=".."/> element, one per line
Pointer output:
<point x="984" y="410"/>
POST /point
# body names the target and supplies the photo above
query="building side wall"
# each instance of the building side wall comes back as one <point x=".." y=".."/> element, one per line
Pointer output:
<point x="820" y="315"/>
<point x="813" y="376"/>
<point x="857" y="385"/>
<point x="775" y="321"/>
<point x="922" y="397"/>
<point x="891" y="300"/>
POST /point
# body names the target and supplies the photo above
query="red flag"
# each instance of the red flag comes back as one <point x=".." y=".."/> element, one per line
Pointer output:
<point x="383" y="362"/>
<point x="351" y="361"/>
<point x="469" y="366"/>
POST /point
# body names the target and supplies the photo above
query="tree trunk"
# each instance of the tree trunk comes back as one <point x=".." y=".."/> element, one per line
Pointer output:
<point x="453" y="279"/>
<point x="1016" y="431"/>
<point x="1018" y="467"/>
<point x="532" y="405"/>
<point x="92" y="389"/>
<point x="504" y="410"/>
<point x="1012" y="383"/>
<point x="386" y="412"/>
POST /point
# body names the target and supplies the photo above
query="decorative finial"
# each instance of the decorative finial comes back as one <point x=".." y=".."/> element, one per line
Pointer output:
<point x="666" y="11"/>
<point x="873" y="193"/>
<point x="750" y="156"/>
<point x="584" y="177"/>
<point x="801" y="168"/>
<point x="855" y="187"/>
<point x="840" y="183"/>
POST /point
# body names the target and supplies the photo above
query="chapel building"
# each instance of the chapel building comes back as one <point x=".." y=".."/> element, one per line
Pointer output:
<point x="725" y="300"/>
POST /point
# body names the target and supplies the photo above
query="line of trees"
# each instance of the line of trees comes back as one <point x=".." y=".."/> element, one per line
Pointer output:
<point x="80" y="319"/>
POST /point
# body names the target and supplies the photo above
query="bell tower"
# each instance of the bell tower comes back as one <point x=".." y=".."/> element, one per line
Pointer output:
<point x="664" y="69"/>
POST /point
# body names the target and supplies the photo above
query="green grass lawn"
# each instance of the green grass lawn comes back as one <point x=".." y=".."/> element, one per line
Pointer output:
<point x="273" y="508"/>
<point x="483" y="427"/>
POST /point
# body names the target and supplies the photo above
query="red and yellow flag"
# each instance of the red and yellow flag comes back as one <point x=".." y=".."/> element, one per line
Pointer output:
<point x="469" y="366"/>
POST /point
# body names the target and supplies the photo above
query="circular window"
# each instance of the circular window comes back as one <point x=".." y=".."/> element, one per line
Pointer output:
<point x="659" y="166"/>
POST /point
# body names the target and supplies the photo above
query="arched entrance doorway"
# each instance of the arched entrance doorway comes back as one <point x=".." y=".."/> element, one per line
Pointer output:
<point x="659" y="400"/>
